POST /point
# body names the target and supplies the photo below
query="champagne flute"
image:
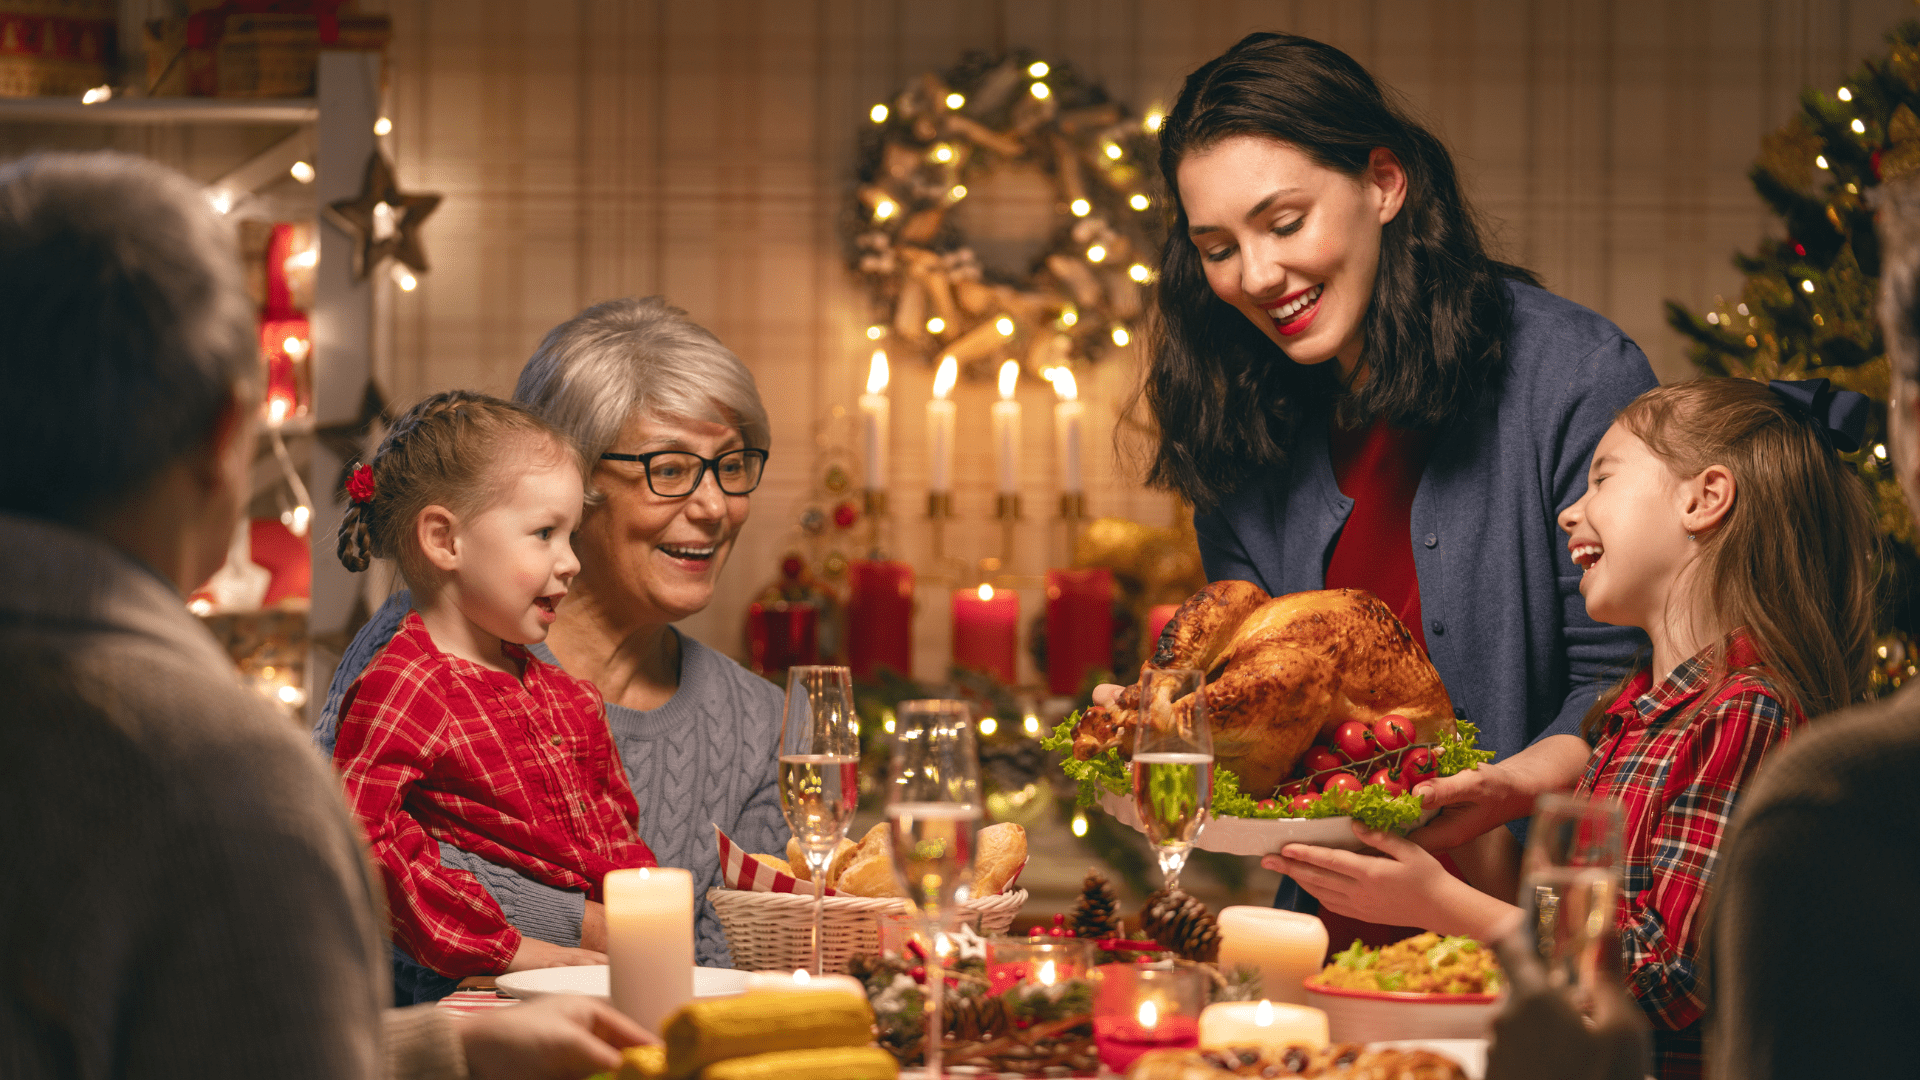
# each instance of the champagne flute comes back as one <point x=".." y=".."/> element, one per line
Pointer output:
<point x="1173" y="764"/>
<point x="933" y="801"/>
<point x="1570" y="879"/>
<point x="819" y="773"/>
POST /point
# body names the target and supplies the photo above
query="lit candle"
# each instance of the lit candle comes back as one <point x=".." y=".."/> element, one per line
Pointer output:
<point x="1067" y="413"/>
<point x="986" y="630"/>
<point x="879" y="617"/>
<point x="1139" y="1009"/>
<point x="1286" y="946"/>
<point x="1261" y="1023"/>
<point x="650" y="942"/>
<point x="1079" y="627"/>
<point x="802" y="979"/>
<point x="1006" y="429"/>
<point x="876" y="409"/>
<point x="940" y="427"/>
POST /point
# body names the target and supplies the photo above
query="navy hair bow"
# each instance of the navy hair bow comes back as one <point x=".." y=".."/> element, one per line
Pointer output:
<point x="1840" y="416"/>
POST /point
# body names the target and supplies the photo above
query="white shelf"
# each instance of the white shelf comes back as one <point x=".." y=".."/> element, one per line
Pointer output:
<point x="161" y="111"/>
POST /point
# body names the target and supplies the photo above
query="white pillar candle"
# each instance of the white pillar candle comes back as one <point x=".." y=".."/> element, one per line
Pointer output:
<point x="1006" y="429"/>
<point x="650" y="942"/>
<point x="1286" y="946"/>
<point x="806" y="980"/>
<point x="876" y="412"/>
<point x="1261" y="1023"/>
<point x="940" y="427"/>
<point x="1066" y="431"/>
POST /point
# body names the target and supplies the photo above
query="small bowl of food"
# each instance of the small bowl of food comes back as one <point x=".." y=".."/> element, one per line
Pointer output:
<point x="1426" y="987"/>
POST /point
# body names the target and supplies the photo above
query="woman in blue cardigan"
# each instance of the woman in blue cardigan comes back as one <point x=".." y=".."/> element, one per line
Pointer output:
<point x="1352" y="393"/>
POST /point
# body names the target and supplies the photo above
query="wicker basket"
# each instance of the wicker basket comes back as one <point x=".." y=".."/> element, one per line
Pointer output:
<point x="770" y="931"/>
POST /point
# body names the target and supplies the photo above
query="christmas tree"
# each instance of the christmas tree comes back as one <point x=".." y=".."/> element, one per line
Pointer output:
<point x="1807" y="310"/>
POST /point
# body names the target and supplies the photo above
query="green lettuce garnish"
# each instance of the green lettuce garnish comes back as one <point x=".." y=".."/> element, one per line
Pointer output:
<point x="1106" y="772"/>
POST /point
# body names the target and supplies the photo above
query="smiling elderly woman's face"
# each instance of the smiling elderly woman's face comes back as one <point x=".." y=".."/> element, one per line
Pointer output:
<point x="661" y="555"/>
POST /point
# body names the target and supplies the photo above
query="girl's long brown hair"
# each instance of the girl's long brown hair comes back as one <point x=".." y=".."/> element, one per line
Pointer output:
<point x="1791" y="560"/>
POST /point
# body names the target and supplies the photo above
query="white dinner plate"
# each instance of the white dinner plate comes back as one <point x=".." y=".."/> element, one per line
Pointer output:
<point x="1471" y="1054"/>
<point x="591" y="980"/>
<point x="1254" y="836"/>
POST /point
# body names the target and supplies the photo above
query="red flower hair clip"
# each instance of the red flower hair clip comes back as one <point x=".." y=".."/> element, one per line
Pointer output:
<point x="360" y="484"/>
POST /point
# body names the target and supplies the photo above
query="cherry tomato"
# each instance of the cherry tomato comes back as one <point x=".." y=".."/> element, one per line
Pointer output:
<point x="1265" y="804"/>
<point x="1355" y="740"/>
<point x="1417" y="765"/>
<point x="1322" y="758"/>
<point x="1341" y="781"/>
<point x="1301" y="802"/>
<point x="1389" y="779"/>
<point x="1296" y="787"/>
<point x="1392" y="732"/>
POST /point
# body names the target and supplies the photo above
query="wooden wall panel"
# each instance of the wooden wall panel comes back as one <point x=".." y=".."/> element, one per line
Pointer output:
<point x="702" y="150"/>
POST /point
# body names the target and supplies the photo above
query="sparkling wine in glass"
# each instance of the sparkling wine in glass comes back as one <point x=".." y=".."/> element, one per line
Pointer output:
<point x="933" y="803"/>
<point x="819" y="772"/>
<point x="1172" y="764"/>
<point x="1569" y="885"/>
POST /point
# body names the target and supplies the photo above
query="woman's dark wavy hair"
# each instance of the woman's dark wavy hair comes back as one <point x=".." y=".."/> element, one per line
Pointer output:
<point x="1435" y="330"/>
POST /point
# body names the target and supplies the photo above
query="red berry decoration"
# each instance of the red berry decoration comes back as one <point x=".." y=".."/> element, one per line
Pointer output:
<point x="1355" y="740"/>
<point x="1393" y="732"/>
<point x="1301" y="802"/>
<point x="1341" y="781"/>
<point x="1321" y="758"/>
<point x="1389" y="779"/>
<point x="1418" y="765"/>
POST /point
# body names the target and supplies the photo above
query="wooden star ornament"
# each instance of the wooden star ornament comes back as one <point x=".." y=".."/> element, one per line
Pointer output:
<point x="359" y="217"/>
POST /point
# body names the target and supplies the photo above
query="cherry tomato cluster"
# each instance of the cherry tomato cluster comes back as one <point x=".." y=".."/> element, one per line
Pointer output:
<point x="1383" y="752"/>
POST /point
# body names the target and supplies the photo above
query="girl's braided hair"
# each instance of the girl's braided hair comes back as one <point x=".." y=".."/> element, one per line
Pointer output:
<point x="449" y="450"/>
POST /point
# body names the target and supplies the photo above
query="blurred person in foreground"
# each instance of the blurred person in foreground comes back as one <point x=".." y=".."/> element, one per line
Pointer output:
<point x="185" y="894"/>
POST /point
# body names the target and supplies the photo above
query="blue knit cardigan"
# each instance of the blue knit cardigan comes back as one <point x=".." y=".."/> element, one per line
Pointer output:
<point x="1505" y="623"/>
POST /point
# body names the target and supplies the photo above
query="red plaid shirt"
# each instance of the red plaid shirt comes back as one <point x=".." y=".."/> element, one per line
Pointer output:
<point x="519" y="772"/>
<point x="1677" y="783"/>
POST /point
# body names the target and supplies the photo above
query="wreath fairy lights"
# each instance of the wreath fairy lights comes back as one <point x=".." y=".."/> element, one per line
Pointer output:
<point x="1084" y="294"/>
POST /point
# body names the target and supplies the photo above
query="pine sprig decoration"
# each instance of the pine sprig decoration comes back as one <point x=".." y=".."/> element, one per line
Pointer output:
<point x="1181" y="924"/>
<point x="1096" y="913"/>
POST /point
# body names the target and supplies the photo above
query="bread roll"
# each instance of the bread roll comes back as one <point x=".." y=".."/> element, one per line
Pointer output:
<point x="797" y="858"/>
<point x="774" y="861"/>
<point x="999" y="852"/>
<point x="843" y="858"/>
<point x="870" y="874"/>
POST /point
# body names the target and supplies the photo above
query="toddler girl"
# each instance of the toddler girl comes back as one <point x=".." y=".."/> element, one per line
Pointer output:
<point x="455" y="733"/>
<point x="1719" y="519"/>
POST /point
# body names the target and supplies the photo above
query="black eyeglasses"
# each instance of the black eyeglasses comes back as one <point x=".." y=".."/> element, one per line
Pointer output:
<point x="673" y="474"/>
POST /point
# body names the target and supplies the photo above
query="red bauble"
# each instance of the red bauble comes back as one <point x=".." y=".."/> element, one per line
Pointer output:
<point x="845" y="514"/>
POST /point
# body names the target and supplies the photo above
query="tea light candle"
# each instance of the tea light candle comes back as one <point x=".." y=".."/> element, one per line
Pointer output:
<point x="1137" y="1009"/>
<point x="1261" y="1023"/>
<point x="1286" y="946"/>
<point x="650" y="942"/>
<point x="803" y="979"/>
<point x="1121" y="1040"/>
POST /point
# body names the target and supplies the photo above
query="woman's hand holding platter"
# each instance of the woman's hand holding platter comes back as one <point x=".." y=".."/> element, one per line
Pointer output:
<point x="1405" y="886"/>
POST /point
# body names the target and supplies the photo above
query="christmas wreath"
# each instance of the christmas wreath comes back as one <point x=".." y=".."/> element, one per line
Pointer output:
<point x="943" y="136"/>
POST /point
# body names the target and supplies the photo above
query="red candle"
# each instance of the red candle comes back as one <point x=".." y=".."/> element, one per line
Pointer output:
<point x="1121" y="1040"/>
<point x="781" y="635"/>
<point x="1157" y="618"/>
<point x="1079" y="627"/>
<point x="986" y="630"/>
<point x="880" y="617"/>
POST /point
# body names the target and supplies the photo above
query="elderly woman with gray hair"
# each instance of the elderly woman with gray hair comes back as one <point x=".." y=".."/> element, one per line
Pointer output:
<point x="658" y="403"/>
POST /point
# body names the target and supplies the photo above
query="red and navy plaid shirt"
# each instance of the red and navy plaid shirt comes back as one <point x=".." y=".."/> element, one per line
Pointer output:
<point x="521" y="772"/>
<point x="1676" y="773"/>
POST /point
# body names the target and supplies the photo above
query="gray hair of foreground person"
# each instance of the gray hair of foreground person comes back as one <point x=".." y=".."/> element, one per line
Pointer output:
<point x="637" y="357"/>
<point x="1897" y="206"/>
<point x="125" y="328"/>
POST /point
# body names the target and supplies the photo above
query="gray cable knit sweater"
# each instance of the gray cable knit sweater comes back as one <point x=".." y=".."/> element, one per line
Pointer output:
<point x="709" y="756"/>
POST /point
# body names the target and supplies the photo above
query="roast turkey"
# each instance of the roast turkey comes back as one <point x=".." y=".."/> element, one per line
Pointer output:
<point x="1280" y="672"/>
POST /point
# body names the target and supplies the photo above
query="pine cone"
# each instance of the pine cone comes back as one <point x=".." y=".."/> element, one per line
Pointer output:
<point x="1181" y="923"/>
<point x="973" y="1019"/>
<point x="1096" y="914"/>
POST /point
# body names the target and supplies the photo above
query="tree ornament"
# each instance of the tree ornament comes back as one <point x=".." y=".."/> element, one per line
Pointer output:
<point x="1096" y="913"/>
<point x="1181" y="924"/>
<point x="362" y="219"/>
